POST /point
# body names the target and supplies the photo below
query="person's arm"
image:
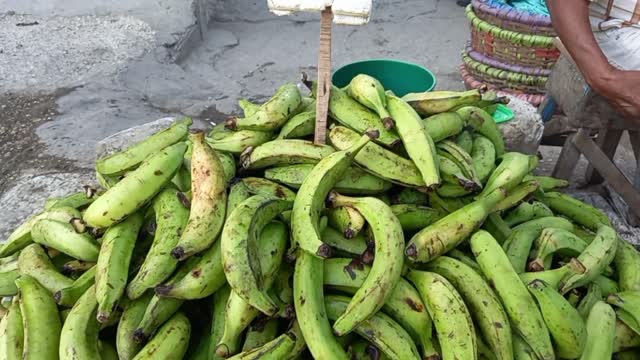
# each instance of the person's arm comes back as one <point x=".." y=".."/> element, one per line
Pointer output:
<point x="571" y="22"/>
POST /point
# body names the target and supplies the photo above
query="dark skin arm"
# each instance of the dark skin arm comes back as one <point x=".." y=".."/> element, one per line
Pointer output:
<point x="571" y="22"/>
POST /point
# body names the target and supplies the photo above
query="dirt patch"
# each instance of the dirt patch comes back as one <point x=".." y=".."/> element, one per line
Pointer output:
<point x="20" y="149"/>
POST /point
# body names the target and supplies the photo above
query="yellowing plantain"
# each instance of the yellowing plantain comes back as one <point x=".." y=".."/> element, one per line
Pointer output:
<point x="416" y="140"/>
<point x="483" y="304"/>
<point x="311" y="196"/>
<point x="347" y="220"/>
<point x="353" y="115"/>
<point x="435" y="102"/>
<point x="518" y="303"/>
<point x="112" y="269"/>
<point x="208" y="202"/>
<point x="387" y="264"/>
<point x="449" y="313"/>
<point x="128" y="159"/>
<point x="451" y="230"/>
<point x="369" y="92"/>
<point x="272" y="114"/>
<point x="136" y="189"/>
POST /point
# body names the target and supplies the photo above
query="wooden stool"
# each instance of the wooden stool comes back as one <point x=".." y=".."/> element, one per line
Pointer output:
<point x="589" y="113"/>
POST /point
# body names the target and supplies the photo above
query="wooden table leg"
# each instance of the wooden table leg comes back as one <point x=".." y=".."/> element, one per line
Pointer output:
<point x="609" y="171"/>
<point x="634" y="138"/>
<point x="567" y="160"/>
<point x="608" y="140"/>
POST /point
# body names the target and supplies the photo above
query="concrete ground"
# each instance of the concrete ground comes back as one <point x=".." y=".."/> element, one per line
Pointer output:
<point x="75" y="71"/>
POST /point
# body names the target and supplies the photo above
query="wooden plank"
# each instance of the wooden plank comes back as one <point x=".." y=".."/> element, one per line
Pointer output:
<point x="567" y="160"/>
<point x="611" y="173"/>
<point x="608" y="140"/>
<point x="632" y="218"/>
<point x="324" y="77"/>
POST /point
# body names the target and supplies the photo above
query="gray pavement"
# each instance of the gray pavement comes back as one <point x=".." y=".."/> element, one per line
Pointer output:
<point x="73" y="72"/>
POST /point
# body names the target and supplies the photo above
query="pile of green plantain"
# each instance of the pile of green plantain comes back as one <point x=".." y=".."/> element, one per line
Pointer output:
<point x="412" y="235"/>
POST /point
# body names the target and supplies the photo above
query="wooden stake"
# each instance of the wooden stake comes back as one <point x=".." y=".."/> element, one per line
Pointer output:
<point x="324" y="77"/>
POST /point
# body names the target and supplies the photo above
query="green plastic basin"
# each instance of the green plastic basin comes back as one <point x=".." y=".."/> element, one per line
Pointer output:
<point x="401" y="77"/>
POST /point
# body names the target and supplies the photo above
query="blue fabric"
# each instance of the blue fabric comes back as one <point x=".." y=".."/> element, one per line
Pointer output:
<point x="531" y="6"/>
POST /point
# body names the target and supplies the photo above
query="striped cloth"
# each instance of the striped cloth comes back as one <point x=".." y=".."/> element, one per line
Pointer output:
<point x="608" y="14"/>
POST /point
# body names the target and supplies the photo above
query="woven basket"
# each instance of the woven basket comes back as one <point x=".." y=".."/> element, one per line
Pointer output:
<point x="504" y="79"/>
<point x="511" y="47"/>
<point x="512" y="19"/>
<point x="509" y="67"/>
<point x="473" y="83"/>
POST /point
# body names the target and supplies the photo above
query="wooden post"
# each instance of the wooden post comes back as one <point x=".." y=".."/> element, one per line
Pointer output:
<point x="324" y="77"/>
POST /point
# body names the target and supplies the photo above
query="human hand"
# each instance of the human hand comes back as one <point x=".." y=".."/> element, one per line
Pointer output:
<point x="622" y="89"/>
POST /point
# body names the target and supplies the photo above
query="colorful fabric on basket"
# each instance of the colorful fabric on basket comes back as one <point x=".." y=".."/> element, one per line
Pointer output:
<point x="530" y="6"/>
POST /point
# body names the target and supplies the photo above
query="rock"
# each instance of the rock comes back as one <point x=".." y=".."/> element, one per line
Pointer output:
<point x="524" y="132"/>
<point x="29" y="193"/>
<point x="125" y="138"/>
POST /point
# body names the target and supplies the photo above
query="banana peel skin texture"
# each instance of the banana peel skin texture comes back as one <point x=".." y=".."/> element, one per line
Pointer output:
<point x="451" y="230"/>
